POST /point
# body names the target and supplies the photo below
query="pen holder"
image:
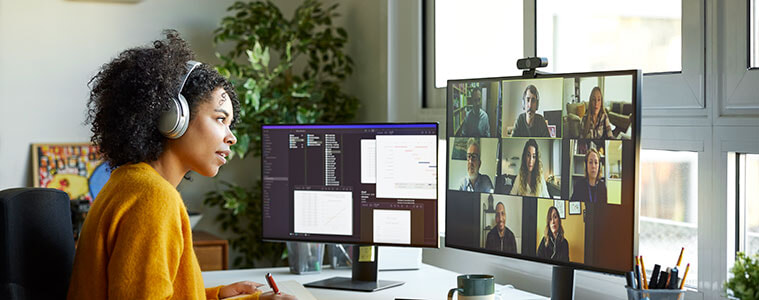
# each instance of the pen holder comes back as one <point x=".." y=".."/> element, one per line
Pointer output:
<point x="305" y="258"/>
<point x="338" y="256"/>
<point x="635" y="294"/>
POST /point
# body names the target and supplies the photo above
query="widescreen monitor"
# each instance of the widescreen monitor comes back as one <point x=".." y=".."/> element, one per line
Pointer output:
<point x="544" y="168"/>
<point x="363" y="184"/>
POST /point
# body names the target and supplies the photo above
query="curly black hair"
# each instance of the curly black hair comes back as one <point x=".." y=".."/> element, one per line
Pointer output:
<point x="129" y="94"/>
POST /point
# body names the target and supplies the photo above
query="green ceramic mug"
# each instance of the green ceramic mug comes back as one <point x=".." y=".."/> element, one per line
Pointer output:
<point x="474" y="287"/>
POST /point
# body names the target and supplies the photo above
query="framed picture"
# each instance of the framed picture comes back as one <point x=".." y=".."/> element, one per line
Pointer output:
<point x="75" y="168"/>
<point x="552" y="130"/>
<point x="559" y="204"/>
<point x="575" y="207"/>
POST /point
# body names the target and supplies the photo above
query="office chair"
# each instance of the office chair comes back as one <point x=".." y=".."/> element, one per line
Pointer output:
<point x="36" y="243"/>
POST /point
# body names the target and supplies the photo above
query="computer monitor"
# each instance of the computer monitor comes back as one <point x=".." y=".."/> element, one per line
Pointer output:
<point x="362" y="184"/>
<point x="556" y="183"/>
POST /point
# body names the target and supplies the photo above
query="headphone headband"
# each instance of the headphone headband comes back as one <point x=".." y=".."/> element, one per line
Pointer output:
<point x="190" y="65"/>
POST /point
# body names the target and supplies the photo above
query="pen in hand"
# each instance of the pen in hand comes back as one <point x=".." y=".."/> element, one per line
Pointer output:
<point x="272" y="284"/>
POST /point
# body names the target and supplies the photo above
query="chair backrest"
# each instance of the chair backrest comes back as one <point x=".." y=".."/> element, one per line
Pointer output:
<point x="36" y="243"/>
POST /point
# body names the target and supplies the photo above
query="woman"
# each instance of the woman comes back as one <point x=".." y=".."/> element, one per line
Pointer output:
<point x="591" y="188"/>
<point x="595" y="124"/>
<point x="553" y="245"/>
<point x="529" y="181"/>
<point x="136" y="242"/>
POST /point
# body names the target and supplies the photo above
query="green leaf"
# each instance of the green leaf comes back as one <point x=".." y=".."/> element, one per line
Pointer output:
<point x="243" y="142"/>
<point x="288" y="50"/>
<point x="256" y="99"/>
<point x="257" y="49"/>
<point x="300" y="94"/>
<point x="265" y="57"/>
<point x="250" y="84"/>
<point x="254" y="59"/>
<point x="248" y="98"/>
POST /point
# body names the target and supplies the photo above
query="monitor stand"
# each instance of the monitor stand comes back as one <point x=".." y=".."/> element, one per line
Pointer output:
<point x="364" y="277"/>
<point x="563" y="283"/>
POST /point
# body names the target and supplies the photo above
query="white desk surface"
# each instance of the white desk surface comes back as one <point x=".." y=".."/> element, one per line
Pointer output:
<point x="428" y="282"/>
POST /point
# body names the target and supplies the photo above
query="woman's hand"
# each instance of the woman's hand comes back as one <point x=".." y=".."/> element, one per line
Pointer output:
<point x="238" y="288"/>
<point x="273" y="296"/>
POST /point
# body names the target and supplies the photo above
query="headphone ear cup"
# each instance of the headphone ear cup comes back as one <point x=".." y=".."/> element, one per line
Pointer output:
<point x="173" y="122"/>
<point x="184" y="117"/>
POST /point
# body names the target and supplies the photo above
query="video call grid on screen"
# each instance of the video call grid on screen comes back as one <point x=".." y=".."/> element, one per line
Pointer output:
<point x="351" y="183"/>
<point x="560" y="132"/>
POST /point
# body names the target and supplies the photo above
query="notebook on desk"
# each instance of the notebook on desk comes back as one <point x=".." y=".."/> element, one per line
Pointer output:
<point x="291" y="287"/>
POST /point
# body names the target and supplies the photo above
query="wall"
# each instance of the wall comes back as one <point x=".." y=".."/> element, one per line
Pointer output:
<point x="50" y="49"/>
<point x="616" y="88"/>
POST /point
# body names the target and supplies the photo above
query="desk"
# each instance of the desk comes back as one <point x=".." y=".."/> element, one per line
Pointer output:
<point x="211" y="251"/>
<point x="428" y="282"/>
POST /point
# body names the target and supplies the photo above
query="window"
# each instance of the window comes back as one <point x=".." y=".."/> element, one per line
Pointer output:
<point x="476" y="39"/>
<point x="748" y="203"/>
<point x="669" y="209"/>
<point x="596" y="35"/>
<point x="665" y="38"/>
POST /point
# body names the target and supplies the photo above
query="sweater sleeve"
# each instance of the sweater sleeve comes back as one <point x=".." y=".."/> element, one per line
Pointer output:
<point x="147" y="246"/>
<point x="213" y="293"/>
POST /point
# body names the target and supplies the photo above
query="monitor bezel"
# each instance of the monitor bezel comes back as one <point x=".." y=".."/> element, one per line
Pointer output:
<point x="326" y="240"/>
<point x="635" y="137"/>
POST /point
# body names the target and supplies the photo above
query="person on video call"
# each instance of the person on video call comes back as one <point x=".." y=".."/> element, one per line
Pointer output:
<point x="595" y="124"/>
<point x="553" y="245"/>
<point x="476" y="122"/>
<point x="474" y="181"/>
<point x="136" y="242"/>
<point x="501" y="238"/>
<point x="530" y="123"/>
<point x="590" y="188"/>
<point x="529" y="180"/>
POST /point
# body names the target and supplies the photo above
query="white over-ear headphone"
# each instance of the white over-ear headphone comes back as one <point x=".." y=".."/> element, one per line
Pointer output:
<point x="173" y="122"/>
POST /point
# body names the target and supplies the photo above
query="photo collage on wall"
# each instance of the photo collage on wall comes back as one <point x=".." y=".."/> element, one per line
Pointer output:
<point x="536" y="165"/>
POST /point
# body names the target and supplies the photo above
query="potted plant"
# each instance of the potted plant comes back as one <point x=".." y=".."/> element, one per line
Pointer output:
<point x="744" y="282"/>
<point x="285" y="71"/>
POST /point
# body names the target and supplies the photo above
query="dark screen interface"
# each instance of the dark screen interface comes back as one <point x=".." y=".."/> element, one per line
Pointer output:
<point x="351" y="183"/>
<point x="544" y="169"/>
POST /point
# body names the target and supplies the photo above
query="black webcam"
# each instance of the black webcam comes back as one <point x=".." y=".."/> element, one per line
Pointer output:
<point x="529" y="65"/>
<point x="532" y="63"/>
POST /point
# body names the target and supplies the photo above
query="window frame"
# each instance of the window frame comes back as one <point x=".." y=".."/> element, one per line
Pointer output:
<point x="681" y="94"/>
<point x="728" y="142"/>
<point x="736" y="86"/>
<point x="695" y="139"/>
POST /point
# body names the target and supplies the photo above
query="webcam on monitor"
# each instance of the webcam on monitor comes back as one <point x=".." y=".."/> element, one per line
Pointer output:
<point x="529" y="64"/>
<point x="532" y="63"/>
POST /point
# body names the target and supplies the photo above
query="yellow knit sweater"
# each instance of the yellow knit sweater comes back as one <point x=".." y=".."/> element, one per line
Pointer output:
<point x="136" y="242"/>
